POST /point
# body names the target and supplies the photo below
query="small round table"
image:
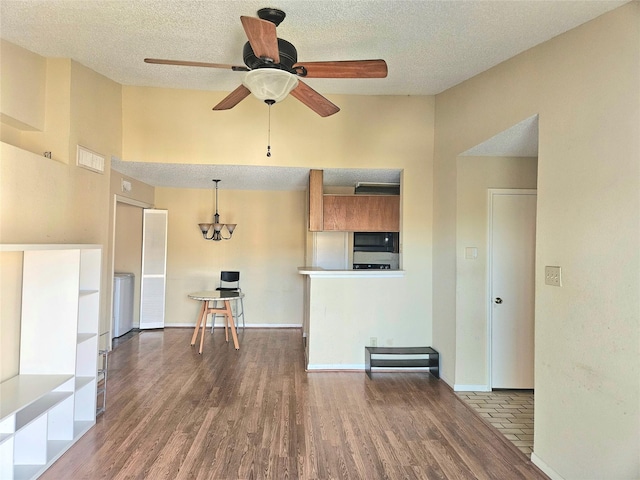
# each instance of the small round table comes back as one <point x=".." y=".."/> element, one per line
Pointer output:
<point x="201" y="321"/>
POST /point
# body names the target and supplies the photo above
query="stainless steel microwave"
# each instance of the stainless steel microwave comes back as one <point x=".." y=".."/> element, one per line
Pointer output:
<point x="376" y="242"/>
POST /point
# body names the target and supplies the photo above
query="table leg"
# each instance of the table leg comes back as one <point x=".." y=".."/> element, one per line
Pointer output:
<point x="229" y="314"/>
<point x="202" y="313"/>
<point x="204" y="325"/>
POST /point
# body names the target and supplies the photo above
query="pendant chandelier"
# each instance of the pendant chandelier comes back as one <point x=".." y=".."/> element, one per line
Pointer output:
<point x="216" y="226"/>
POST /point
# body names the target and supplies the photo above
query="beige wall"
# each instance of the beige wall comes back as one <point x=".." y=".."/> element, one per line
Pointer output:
<point x="35" y="101"/>
<point x="584" y="86"/>
<point x="178" y="126"/>
<point x="29" y="75"/>
<point x="266" y="248"/>
<point x="475" y="176"/>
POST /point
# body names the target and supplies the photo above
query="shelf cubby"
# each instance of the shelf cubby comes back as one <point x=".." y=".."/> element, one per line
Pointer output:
<point x="51" y="403"/>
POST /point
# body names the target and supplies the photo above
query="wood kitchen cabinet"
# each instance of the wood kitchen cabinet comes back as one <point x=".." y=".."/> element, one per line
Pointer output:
<point x="315" y="201"/>
<point x="361" y="213"/>
<point x="351" y="213"/>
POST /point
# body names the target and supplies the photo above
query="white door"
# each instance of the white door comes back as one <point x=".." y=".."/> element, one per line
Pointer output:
<point x="154" y="268"/>
<point x="512" y="270"/>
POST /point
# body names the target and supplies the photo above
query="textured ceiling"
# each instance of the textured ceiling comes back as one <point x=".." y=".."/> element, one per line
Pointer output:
<point x="429" y="46"/>
<point x="247" y="177"/>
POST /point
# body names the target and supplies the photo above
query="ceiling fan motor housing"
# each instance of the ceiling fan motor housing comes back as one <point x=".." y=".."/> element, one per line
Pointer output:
<point x="272" y="15"/>
<point x="288" y="57"/>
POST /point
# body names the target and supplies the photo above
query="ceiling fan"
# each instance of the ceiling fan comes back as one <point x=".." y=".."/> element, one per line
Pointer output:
<point x="274" y="71"/>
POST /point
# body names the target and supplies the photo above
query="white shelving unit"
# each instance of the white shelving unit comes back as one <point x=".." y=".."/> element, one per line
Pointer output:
<point x="51" y="403"/>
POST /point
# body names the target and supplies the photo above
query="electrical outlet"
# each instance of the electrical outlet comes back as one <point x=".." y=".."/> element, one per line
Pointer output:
<point x="373" y="342"/>
<point x="553" y="276"/>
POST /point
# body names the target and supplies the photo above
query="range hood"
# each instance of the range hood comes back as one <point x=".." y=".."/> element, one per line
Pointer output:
<point x="368" y="188"/>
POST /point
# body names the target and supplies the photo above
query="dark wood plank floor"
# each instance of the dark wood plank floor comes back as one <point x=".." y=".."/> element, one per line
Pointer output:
<point x="256" y="414"/>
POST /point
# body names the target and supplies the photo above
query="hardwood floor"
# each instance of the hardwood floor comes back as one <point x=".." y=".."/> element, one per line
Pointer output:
<point x="256" y="414"/>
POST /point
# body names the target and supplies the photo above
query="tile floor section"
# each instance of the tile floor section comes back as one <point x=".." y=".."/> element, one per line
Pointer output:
<point x="510" y="411"/>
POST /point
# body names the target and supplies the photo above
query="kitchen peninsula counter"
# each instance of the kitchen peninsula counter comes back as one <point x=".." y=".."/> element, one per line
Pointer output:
<point x="328" y="273"/>
<point x="345" y="310"/>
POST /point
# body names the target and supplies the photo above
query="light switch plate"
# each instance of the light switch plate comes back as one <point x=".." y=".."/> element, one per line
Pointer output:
<point x="471" y="253"/>
<point x="553" y="276"/>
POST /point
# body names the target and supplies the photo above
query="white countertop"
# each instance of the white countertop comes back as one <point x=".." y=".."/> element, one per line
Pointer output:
<point x="324" y="273"/>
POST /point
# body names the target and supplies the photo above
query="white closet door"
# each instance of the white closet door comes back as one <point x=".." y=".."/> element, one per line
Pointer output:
<point x="154" y="268"/>
<point x="513" y="259"/>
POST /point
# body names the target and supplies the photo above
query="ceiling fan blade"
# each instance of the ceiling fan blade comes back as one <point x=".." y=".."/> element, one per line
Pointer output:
<point x="314" y="100"/>
<point x="186" y="63"/>
<point x="233" y="98"/>
<point x="262" y="37"/>
<point x="345" y="69"/>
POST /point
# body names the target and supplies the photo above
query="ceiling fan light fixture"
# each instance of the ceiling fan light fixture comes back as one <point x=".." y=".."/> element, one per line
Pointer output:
<point x="270" y="83"/>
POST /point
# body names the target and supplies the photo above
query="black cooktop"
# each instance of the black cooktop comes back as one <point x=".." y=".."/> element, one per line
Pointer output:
<point x="371" y="266"/>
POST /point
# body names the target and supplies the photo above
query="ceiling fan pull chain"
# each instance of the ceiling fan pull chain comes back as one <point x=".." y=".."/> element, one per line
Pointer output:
<point x="269" y="132"/>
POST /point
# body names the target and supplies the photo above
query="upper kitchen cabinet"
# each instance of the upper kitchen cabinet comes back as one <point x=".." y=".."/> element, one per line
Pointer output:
<point x="315" y="201"/>
<point x="351" y="213"/>
<point x="361" y="213"/>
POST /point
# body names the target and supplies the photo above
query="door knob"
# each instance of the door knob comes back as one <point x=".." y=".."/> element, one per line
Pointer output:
<point x="498" y="300"/>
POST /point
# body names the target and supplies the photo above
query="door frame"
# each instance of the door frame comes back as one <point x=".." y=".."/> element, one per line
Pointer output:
<point x="129" y="201"/>
<point x="491" y="193"/>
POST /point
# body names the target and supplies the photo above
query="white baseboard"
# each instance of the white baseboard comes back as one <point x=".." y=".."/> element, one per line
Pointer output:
<point x="253" y="325"/>
<point x="339" y="366"/>
<point x="152" y="326"/>
<point x="550" y="472"/>
<point x="361" y="367"/>
<point x="471" y="388"/>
